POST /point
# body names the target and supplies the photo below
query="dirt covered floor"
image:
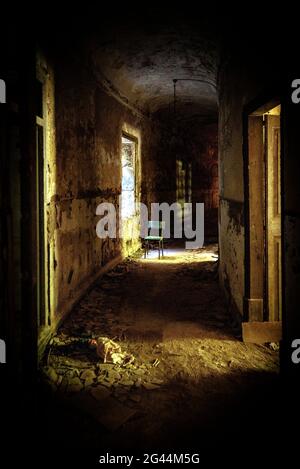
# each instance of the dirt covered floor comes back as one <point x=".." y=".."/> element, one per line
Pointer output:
<point x="192" y="382"/>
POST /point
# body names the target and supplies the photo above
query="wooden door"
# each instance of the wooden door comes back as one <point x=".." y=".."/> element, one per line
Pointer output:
<point x="273" y="218"/>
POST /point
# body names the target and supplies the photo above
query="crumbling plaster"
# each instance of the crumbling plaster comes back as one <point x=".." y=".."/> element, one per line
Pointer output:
<point x="242" y="78"/>
<point x="83" y="154"/>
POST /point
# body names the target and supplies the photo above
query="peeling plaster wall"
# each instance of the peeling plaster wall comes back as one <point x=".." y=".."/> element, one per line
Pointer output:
<point x="153" y="164"/>
<point x="205" y="180"/>
<point x="237" y="87"/>
<point x="197" y="144"/>
<point x="159" y="185"/>
<point x="245" y="77"/>
<point x="85" y="127"/>
<point x="232" y="252"/>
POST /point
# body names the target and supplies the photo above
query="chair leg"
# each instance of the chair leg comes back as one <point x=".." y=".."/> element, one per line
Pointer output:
<point x="158" y="249"/>
<point x="162" y="248"/>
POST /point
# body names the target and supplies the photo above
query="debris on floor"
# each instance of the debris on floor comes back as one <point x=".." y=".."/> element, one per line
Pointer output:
<point x="274" y="346"/>
<point x="110" y="351"/>
<point x="171" y="347"/>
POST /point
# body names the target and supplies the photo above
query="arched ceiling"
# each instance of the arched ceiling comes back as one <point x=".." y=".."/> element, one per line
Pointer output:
<point x="141" y="61"/>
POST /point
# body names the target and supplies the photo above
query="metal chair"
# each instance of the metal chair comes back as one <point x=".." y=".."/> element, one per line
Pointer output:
<point x="158" y="226"/>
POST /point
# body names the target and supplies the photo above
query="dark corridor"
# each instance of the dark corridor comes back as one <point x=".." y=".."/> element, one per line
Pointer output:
<point x="103" y="114"/>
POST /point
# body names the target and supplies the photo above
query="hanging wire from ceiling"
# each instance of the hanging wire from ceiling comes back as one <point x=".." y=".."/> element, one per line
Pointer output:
<point x="200" y="80"/>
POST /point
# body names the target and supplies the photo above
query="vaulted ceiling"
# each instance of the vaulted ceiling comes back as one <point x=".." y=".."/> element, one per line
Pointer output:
<point x="140" y="52"/>
<point x="141" y="62"/>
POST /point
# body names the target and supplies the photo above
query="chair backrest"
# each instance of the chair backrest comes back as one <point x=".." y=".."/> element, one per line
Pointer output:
<point x="156" y="227"/>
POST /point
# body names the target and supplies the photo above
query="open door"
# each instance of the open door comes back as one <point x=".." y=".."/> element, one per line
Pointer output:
<point x="263" y="274"/>
<point x="42" y="318"/>
<point x="273" y="215"/>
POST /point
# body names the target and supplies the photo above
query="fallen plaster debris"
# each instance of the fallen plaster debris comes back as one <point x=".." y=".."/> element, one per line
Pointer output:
<point x="274" y="346"/>
<point x="110" y="351"/>
<point x="155" y="363"/>
<point x="151" y="386"/>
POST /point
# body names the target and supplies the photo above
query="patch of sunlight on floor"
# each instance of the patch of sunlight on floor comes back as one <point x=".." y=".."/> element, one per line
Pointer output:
<point x="180" y="255"/>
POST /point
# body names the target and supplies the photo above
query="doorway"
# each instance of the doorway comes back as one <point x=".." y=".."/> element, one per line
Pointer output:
<point x="273" y="213"/>
<point x="43" y="318"/>
<point x="263" y="286"/>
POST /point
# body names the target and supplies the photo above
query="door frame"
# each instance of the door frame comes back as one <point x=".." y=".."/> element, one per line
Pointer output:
<point x="43" y="255"/>
<point x="257" y="326"/>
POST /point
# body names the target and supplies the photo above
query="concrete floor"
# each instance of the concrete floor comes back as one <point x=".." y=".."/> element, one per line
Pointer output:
<point x="207" y="386"/>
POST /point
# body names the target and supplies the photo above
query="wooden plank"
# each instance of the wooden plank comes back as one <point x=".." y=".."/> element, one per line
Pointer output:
<point x="273" y="218"/>
<point x="255" y="308"/>
<point x="261" y="332"/>
<point x="256" y="218"/>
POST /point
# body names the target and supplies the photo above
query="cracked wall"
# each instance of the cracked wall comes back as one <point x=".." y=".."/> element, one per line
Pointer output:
<point x="237" y="87"/>
<point x="195" y="143"/>
<point x="205" y="174"/>
<point x="83" y="145"/>
<point x="244" y="78"/>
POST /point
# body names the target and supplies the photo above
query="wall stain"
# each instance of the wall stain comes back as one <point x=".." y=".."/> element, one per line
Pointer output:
<point x="235" y="214"/>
